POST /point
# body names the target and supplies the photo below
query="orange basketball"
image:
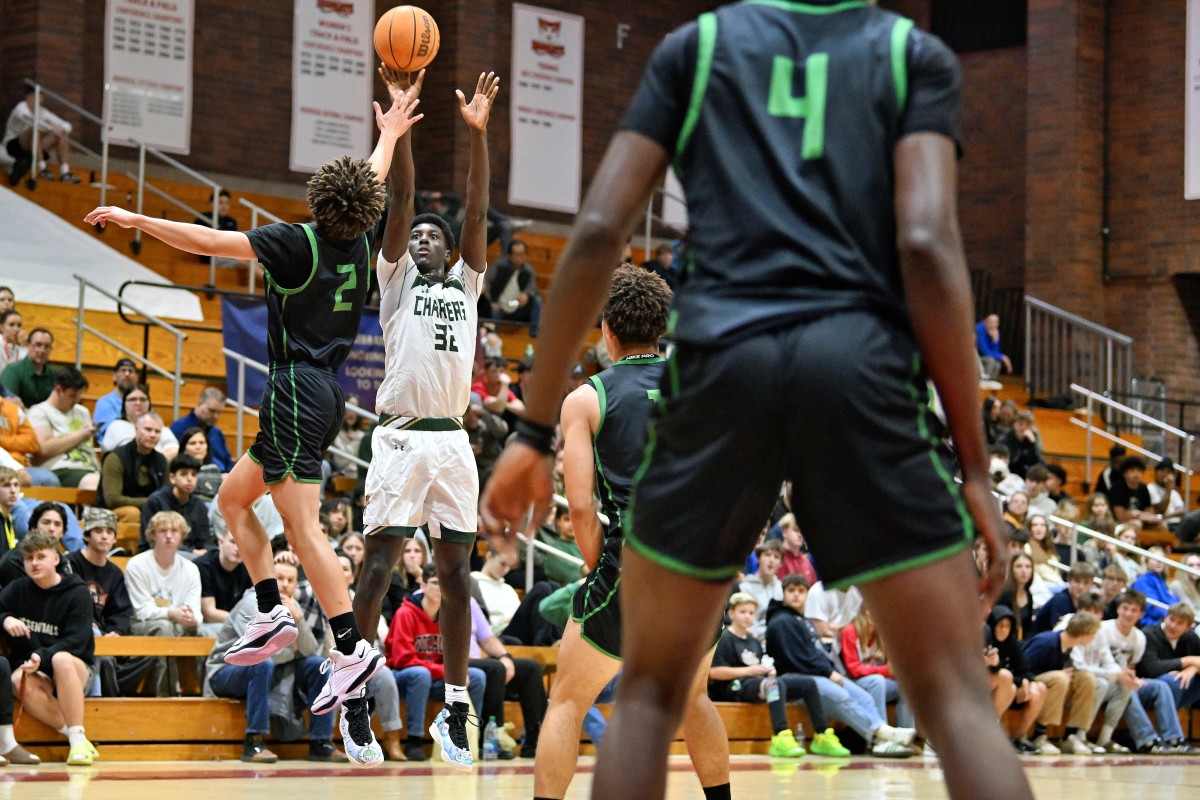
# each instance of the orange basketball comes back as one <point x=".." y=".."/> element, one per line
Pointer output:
<point x="407" y="38"/>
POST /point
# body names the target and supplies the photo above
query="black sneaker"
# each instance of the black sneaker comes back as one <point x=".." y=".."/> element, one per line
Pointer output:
<point x="1026" y="747"/>
<point x="1182" y="748"/>
<point x="414" y="750"/>
<point x="1156" y="748"/>
<point x="46" y="175"/>
<point x="19" y="168"/>
<point x="254" y="750"/>
<point x="323" y="750"/>
<point x="69" y="177"/>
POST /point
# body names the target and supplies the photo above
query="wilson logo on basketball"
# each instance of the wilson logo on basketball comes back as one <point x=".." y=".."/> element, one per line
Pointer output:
<point x="547" y="42"/>
<point x="334" y="7"/>
<point x="426" y="36"/>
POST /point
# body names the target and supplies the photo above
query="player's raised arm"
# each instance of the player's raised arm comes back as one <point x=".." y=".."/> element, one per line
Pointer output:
<point x="473" y="239"/>
<point x="198" y="239"/>
<point x="392" y="124"/>
<point x="402" y="180"/>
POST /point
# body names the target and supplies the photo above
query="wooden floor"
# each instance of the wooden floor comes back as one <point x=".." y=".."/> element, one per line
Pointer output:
<point x="753" y="777"/>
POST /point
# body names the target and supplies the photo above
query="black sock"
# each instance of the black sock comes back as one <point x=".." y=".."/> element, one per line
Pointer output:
<point x="1070" y="731"/>
<point x="345" y="632"/>
<point x="1039" y="730"/>
<point x="535" y="797"/>
<point x="267" y="593"/>
<point x="719" y="792"/>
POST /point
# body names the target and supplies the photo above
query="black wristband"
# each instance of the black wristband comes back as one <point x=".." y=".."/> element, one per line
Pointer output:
<point x="504" y="655"/>
<point x="532" y="434"/>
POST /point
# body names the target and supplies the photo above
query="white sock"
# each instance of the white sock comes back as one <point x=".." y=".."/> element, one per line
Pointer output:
<point x="456" y="694"/>
<point x="7" y="739"/>
<point x="75" y="735"/>
<point x="63" y="169"/>
<point x="42" y="164"/>
<point x="63" y="730"/>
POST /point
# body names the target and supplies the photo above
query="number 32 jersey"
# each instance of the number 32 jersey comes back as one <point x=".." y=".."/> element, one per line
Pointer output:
<point x="429" y="332"/>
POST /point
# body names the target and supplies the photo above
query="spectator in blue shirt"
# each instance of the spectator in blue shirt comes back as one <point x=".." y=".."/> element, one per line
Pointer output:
<point x="987" y="343"/>
<point x="1080" y="580"/>
<point x="1153" y="584"/>
<point x="109" y="407"/>
<point x="204" y="416"/>
<point x="1047" y="657"/>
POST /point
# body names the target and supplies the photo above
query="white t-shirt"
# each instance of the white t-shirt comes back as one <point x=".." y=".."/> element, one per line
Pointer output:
<point x="79" y="457"/>
<point x="1127" y="650"/>
<point x="1175" y="508"/>
<point x="153" y="590"/>
<point x="429" y="332"/>
<point x="764" y="594"/>
<point x="500" y="598"/>
<point x="838" y="607"/>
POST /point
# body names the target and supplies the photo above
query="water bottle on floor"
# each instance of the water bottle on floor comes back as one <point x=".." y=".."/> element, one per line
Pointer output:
<point x="491" y="745"/>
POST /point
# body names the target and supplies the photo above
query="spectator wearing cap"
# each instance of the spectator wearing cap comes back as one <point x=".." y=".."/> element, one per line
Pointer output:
<point x="1163" y="494"/>
<point x="105" y="580"/>
<point x="134" y="471"/>
<point x="108" y="407"/>
<point x="204" y="416"/>
<point x="32" y="378"/>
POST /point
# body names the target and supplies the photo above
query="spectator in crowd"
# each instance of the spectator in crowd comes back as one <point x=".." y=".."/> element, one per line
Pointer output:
<point x="225" y="222"/>
<point x="1099" y="516"/>
<point x="47" y="619"/>
<point x="1128" y="647"/>
<point x="1046" y="655"/>
<point x="32" y="378"/>
<point x="53" y="136"/>
<point x="509" y="678"/>
<point x="263" y="685"/>
<point x="414" y="654"/>
<point x="1018" y="596"/>
<point x="113" y="611"/>
<point x="499" y="599"/>
<point x="741" y="672"/>
<point x="64" y="429"/>
<point x="1153" y="584"/>
<point x="560" y="534"/>
<point x="1112" y="586"/>
<point x="487" y="433"/>
<point x="208" y="480"/>
<point x="10" y="492"/>
<point x="134" y="471"/>
<point x="109" y="406"/>
<point x="165" y="591"/>
<point x="830" y="610"/>
<point x="406" y="577"/>
<point x="987" y="343"/>
<point x="178" y="496"/>
<point x="8" y="300"/>
<point x="1173" y="654"/>
<point x="1065" y="531"/>
<point x="1024" y="444"/>
<point x="1041" y="550"/>
<point x="512" y="288"/>
<point x="1030" y="696"/>
<point x="223" y="581"/>
<point x="494" y="386"/>
<point x="1129" y="496"/>
<point x="1079" y="580"/>
<point x="49" y="518"/>
<point x="663" y="264"/>
<point x="1186" y="587"/>
<point x="1016" y="510"/>
<point x="1164" y="496"/>
<point x="1129" y="561"/>
<point x="1111" y="472"/>
<point x="134" y="403"/>
<point x="19" y="440"/>
<point x="796" y="647"/>
<point x="12" y="337"/>
<point x="866" y="664"/>
<point x="353" y="545"/>
<point x="992" y="429"/>
<point x="264" y="511"/>
<point x="765" y="584"/>
<point x="204" y="416"/>
<point x="1096" y="658"/>
<point x="796" y="560"/>
<point x="348" y="439"/>
<point x="338" y="512"/>
<point x="1036" y="479"/>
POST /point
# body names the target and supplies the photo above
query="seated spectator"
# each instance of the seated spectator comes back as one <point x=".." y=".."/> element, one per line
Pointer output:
<point x="1030" y="696"/>
<point x="223" y="581"/>
<point x="406" y="577"/>
<point x="796" y="647"/>
<point x="414" y="654"/>
<point x="1036" y="477"/>
<point x="1096" y="658"/>
<point x="64" y="429"/>
<point x="663" y="264"/>
<point x="1153" y="584"/>
<point x="12" y="336"/>
<point x="1112" y="471"/>
<point x="348" y="439"/>
<point x="1112" y="586"/>
<point x="1128" y="646"/>
<point x="512" y="288"/>
<point x="742" y="673"/>
<point x="1018" y="596"/>
<point x="830" y="610"/>
<point x="47" y="619"/>
<point x="133" y="471"/>
<point x="110" y="406"/>
<point x="1164" y="496"/>
<point x="49" y="518"/>
<point x="204" y="416"/>
<point x="113" y="611"/>
<point x="499" y="598"/>
<point x="991" y="420"/>
<point x="987" y="344"/>
<point x="1046" y="655"/>
<point x="165" y="591"/>
<point x="208" y="480"/>
<point x="262" y="685"/>
<point x="1079" y="580"/>
<point x="135" y="402"/>
<point x="1065" y="532"/>
<point x="1129" y="497"/>
<point x="53" y="136"/>
<point x="1173" y="654"/>
<point x="1042" y="551"/>
<point x="177" y="496"/>
<point x="1186" y="587"/>
<point x="494" y="387"/>
<point x="1099" y="516"/>
<point x="224" y="223"/>
<point x="486" y="433"/>
<point x="864" y="657"/>
<point x="765" y="584"/>
<point x="353" y="545"/>
<point x="1056" y="483"/>
<point x="10" y="492"/>
<point x="20" y="442"/>
<point x="561" y="537"/>
<point x="1016" y="510"/>
<point x="31" y="379"/>
<point x="1023" y="443"/>
<point x="338" y="512"/>
<point x="263" y="508"/>
<point x="518" y="679"/>
<point x="796" y="560"/>
<point x="1129" y="561"/>
<point x="1003" y="480"/>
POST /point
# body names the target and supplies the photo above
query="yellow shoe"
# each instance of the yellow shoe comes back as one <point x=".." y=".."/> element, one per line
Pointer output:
<point x="827" y="744"/>
<point x="784" y="745"/>
<point x="82" y="754"/>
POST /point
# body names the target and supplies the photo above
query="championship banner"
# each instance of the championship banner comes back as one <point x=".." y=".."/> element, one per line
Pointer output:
<point x="1191" y="132"/>
<point x="245" y="332"/>
<point x="148" y="73"/>
<point x="547" y="109"/>
<point x="332" y="63"/>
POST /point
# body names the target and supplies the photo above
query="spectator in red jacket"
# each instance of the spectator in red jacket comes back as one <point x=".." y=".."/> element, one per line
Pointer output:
<point x="795" y="554"/>
<point x="863" y="656"/>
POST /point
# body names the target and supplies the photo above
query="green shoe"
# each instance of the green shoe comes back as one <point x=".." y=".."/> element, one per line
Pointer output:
<point x="784" y="745"/>
<point x="82" y="755"/>
<point x="827" y="744"/>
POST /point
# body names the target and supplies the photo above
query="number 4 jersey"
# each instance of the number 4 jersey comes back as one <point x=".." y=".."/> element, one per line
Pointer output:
<point x="429" y="331"/>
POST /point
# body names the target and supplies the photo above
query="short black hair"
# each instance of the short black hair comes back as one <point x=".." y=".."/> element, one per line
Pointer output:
<point x="184" y="461"/>
<point x="638" y="306"/>
<point x="224" y="193"/>
<point x="437" y="221"/>
<point x="796" y="579"/>
<point x="70" y="378"/>
<point x="428" y="571"/>
<point x="36" y="331"/>
<point x="42" y="508"/>
<point x="1057" y="471"/>
<point x="1116" y="450"/>
<point x="1131" y="462"/>
<point x="516" y="242"/>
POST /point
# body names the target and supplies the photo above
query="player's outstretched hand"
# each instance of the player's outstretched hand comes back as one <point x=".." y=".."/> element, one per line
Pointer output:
<point x="981" y="503"/>
<point x="399" y="118"/>
<point x="476" y="112"/>
<point x="521" y="479"/>
<point x="401" y="83"/>
<point x="105" y="214"/>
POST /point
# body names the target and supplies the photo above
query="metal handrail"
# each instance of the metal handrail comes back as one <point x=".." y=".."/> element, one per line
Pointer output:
<point x="1061" y="567"/>
<point x="176" y="378"/>
<point x="1123" y="442"/>
<point x="1079" y="321"/>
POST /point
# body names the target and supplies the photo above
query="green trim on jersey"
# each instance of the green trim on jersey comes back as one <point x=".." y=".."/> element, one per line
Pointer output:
<point x="704" y="59"/>
<point x="607" y="599"/>
<point x="597" y="647"/>
<point x="312" y="245"/>
<point x="899" y="566"/>
<point x="900" y="33"/>
<point x="602" y="396"/>
<point x="291" y="467"/>
<point x="923" y="431"/>
<point x="681" y="567"/>
<point x="808" y="8"/>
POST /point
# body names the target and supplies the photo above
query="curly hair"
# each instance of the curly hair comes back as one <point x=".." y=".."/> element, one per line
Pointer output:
<point x="345" y="198"/>
<point x="637" y="307"/>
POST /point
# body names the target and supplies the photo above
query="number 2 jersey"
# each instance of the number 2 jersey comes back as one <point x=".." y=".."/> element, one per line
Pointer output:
<point x="781" y="119"/>
<point x="429" y="331"/>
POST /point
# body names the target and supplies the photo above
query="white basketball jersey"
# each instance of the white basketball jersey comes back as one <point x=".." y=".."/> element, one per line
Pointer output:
<point x="429" y="332"/>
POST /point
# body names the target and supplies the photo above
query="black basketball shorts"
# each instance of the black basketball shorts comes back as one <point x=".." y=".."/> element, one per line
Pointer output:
<point x="300" y="416"/>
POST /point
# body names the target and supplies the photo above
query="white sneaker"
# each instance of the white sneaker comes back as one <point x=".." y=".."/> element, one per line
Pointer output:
<point x="1077" y="745"/>
<point x="884" y="748"/>
<point x="449" y="732"/>
<point x="902" y="736"/>
<point x="1048" y="749"/>
<point x="349" y="675"/>
<point x="265" y="636"/>
<point x="1114" y="747"/>
<point x="928" y="751"/>
<point x="358" y="739"/>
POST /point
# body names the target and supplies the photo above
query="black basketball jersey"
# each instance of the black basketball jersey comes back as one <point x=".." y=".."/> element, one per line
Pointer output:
<point x="781" y="118"/>
<point x="316" y="289"/>
<point x="627" y="392"/>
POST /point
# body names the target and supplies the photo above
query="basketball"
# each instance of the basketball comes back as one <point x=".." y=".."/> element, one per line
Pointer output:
<point x="407" y="38"/>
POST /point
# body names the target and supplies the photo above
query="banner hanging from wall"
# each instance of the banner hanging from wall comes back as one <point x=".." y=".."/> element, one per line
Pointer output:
<point x="547" y="109"/>
<point x="148" y="73"/>
<point x="245" y="332"/>
<point x="1191" y="139"/>
<point x="332" y="64"/>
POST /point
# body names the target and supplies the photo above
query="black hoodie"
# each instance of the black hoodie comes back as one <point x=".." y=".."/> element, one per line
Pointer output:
<point x="793" y="641"/>
<point x="1011" y="656"/>
<point x="58" y="618"/>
